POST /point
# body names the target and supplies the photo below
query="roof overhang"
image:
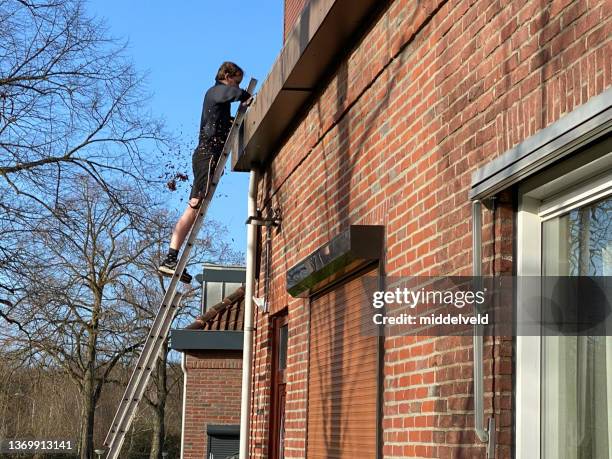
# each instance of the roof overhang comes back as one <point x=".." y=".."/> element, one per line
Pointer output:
<point x="206" y="340"/>
<point x="325" y="30"/>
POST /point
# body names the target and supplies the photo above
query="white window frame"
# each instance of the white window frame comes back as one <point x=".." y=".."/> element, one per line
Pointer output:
<point x="538" y="202"/>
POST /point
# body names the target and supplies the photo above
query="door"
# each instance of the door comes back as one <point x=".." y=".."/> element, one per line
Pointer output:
<point x="280" y="336"/>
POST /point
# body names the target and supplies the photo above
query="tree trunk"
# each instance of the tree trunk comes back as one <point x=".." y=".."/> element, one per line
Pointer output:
<point x="87" y="418"/>
<point x="157" y="442"/>
<point x="159" y="409"/>
<point x="88" y="396"/>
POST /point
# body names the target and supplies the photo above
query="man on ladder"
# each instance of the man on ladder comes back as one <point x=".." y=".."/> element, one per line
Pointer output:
<point x="214" y="146"/>
<point x="215" y="124"/>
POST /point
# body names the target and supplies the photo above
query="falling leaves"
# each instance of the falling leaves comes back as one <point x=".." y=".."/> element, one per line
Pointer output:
<point x="178" y="176"/>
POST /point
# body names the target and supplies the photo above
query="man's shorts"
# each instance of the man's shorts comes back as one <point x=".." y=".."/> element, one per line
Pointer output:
<point x="203" y="163"/>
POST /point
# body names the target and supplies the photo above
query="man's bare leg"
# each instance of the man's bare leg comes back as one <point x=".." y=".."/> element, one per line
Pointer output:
<point x="181" y="230"/>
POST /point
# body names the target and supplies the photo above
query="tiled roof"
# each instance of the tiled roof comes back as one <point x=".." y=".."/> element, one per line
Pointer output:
<point x="227" y="315"/>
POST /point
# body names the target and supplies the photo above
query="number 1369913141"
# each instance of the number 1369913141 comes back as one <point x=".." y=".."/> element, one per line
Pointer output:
<point x="29" y="445"/>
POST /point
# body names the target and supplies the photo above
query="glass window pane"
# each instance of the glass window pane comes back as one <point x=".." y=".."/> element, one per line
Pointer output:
<point x="577" y="370"/>
<point x="282" y="348"/>
<point x="231" y="287"/>
<point x="214" y="294"/>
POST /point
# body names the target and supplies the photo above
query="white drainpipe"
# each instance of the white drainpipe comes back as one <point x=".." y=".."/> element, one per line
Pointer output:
<point x="184" y="368"/>
<point x="247" y="351"/>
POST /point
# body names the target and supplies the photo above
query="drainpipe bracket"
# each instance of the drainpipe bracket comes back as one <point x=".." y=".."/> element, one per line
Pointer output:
<point x="259" y="221"/>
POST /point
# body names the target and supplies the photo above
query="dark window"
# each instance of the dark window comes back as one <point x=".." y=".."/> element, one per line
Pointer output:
<point x="223" y="441"/>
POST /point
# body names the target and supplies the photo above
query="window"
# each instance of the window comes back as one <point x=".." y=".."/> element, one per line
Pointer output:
<point x="564" y="384"/>
<point x="223" y="441"/>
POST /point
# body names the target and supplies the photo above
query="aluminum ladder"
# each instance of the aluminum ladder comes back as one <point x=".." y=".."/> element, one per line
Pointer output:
<point x="161" y="325"/>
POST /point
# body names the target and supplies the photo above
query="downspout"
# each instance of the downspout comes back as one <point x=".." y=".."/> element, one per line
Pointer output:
<point x="247" y="351"/>
<point x="484" y="435"/>
<point x="184" y="369"/>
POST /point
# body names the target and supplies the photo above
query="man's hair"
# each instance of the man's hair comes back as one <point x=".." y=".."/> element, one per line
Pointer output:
<point x="228" y="69"/>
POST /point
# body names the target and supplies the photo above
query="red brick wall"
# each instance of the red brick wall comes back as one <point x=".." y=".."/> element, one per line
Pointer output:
<point x="435" y="90"/>
<point x="212" y="397"/>
<point x="293" y="8"/>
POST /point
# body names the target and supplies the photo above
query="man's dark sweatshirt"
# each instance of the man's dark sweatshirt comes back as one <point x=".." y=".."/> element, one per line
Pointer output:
<point x="216" y="120"/>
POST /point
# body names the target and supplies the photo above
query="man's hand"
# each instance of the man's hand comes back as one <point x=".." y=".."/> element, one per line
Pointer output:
<point x="248" y="102"/>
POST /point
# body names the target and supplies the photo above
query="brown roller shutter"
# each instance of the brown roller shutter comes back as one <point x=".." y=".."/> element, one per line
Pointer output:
<point x="342" y="382"/>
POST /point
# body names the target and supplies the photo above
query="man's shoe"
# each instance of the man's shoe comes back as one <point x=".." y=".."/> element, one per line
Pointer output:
<point x="168" y="266"/>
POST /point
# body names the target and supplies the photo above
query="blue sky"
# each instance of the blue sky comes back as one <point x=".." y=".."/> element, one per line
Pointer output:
<point x="180" y="45"/>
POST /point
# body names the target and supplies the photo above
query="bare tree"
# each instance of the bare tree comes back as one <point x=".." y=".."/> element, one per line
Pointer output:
<point x="71" y="103"/>
<point x="78" y="246"/>
<point x="90" y="290"/>
<point x="69" y="308"/>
